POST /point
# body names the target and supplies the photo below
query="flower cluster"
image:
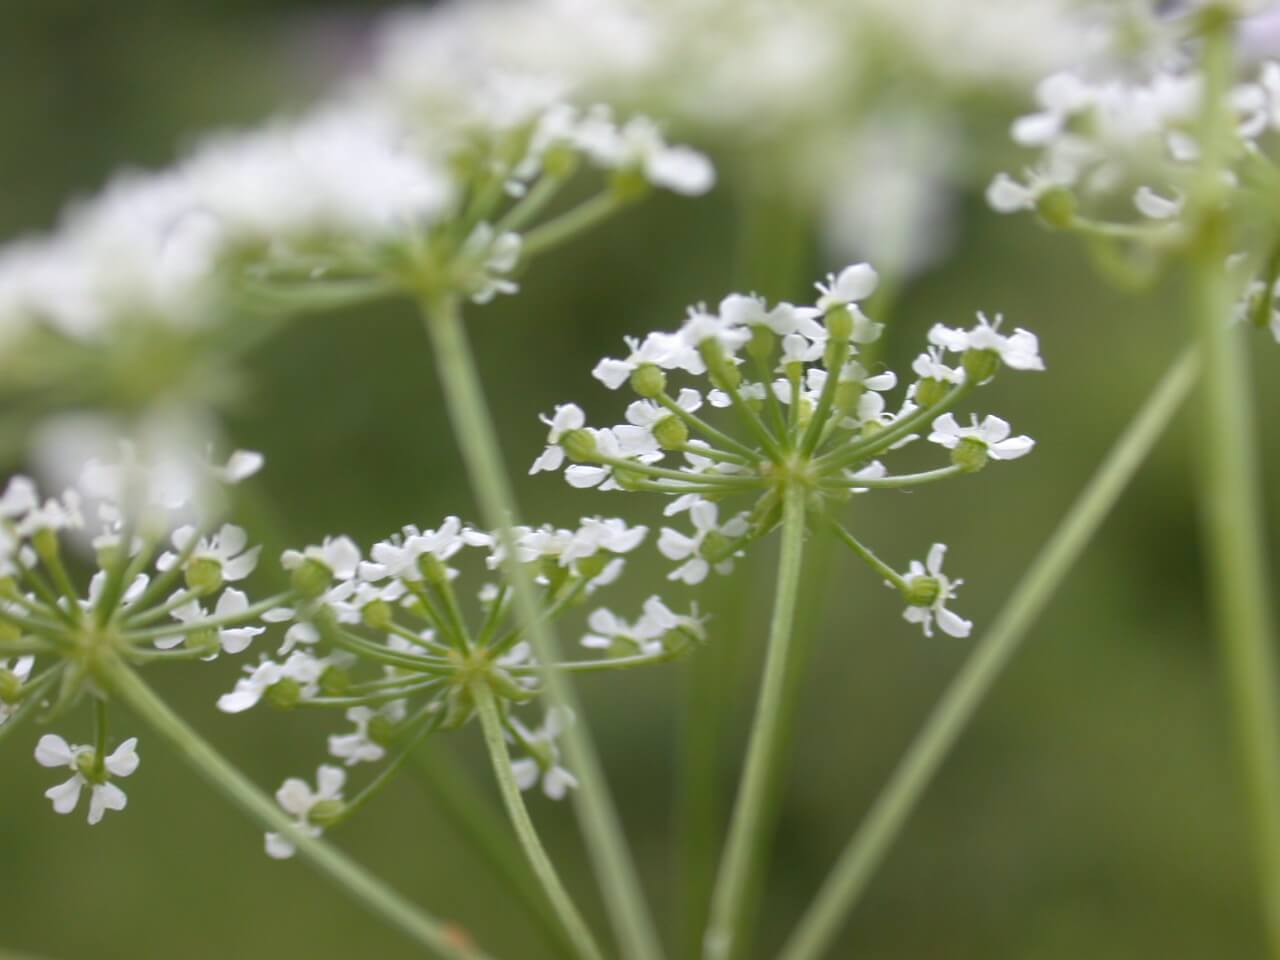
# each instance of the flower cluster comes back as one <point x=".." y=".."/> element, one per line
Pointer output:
<point x="811" y="411"/>
<point x="61" y="644"/>
<point x="384" y="638"/>
<point x="1108" y="139"/>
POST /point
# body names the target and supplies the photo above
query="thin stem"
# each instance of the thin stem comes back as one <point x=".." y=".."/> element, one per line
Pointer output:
<point x="865" y="552"/>
<point x="209" y="623"/>
<point x="491" y="722"/>
<point x="707" y="430"/>
<point x="884" y="439"/>
<point x="350" y="876"/>
<point x="890" y="483"/>
<point x="568" y="225"/>
<point x="596" y="666"/>
<point x="749" y="834"/>
<point x="32" y="695"/>
<point x="472" y="817"/>
<point x="914" y="772"/>
<point x="99" y="738"/>
<point x="530" y="205"/>
<point x="1232" y="509"/>
<point x="477" y="438"/>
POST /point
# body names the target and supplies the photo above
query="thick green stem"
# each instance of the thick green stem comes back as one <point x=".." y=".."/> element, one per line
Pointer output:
<point x="361" y="885"/>
<point x="749" y="831"/>
<point x="887" y="816"/>
<point x="477" y="438"/>
<point x="491" y="721"/>
<point x="1232" y="508"/>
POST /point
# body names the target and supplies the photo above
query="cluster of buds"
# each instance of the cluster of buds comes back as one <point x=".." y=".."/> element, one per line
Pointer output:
<point x="809" y="411"/>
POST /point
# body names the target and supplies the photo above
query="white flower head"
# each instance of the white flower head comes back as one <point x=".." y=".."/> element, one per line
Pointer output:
<point x="992" y="433"/>
<point x="934" y="590"/>
<point x="53" y="751"/>
<point x="543" y="764"/>
<point x="709" y="537"/>
<point x="853" y="283"/>
<point x="298" y="799"/>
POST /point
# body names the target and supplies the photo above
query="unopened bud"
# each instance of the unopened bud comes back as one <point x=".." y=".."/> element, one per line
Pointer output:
<point x="648" y="380"/>
<point x="716" y="547"/>
<point x="203" y="575"/>
<point x="671" y="433"/>
<point x="284" y="694"/>
<point x="970" y="455"/>
<point x="335" y="681"/>
<point x="580" y="445"/>
<point x="1057" y="207"/>
<point x="980" y="365"/>
<point x="311" y="578"/>
<point x="377" y="614"/>
<point x="930" y="391"/>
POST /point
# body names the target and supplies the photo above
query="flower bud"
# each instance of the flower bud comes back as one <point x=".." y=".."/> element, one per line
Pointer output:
<point x="433" y="570"/>
<point x="377" y="614"/>
<point x="284" y="694"/>
<point x="921" y="591"/>
<point x="580" y="445"/>
<point x="671" y="433"/>
<point x="382" y="730"/>
<point x="840" y="323"/>
<point x="980" y="365"/>
<point x="335" y="681"/>
<point x="970" y="455"/>
<point x="203" y="575"/>
<point x="327" y="813"/>
<point x="10" y="687"/>
<point x="761" y="344"/>
<point x="648" y="380"/>
<point x="1057" y="207"/>
<point x="716" y="547"/>
<point x="311" y="578"/>
<point x="930" y="391"/>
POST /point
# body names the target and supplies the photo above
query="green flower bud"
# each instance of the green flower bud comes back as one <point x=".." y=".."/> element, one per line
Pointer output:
<point x="721" y="372"/>
<point x="921" y="591"/>
<point x="10" y="687"/>
<point x="716" y="547"/>
<point x="592" y="566"/>
<point x="382" y="731"/>
<point x="284" y="694"/>
<point x="930" y="391"/>
<point x="560" y="161"/>
<point x="980" y="365"/>
<point x="203" y="575"/>
<point x="311" y="578"/>
<point x="671" y="433"/>
<point x="840" y="323"/>
<point x="761" y="344"/>
<point x="847" y="395"/>
<point x="629" y="185"/>
<point x="377" y="614"/>
<point x="970" y="455"/>
<point x="335" y="681"/>
<point x="628" y="479"/>
<point x="327" y="813"/>
<point x="1057" y="207"/>
<point x="86" y="766"/>
<point x="580" y="445"/>
<point x="648" y="380"/>
<point x="433" y="569"/>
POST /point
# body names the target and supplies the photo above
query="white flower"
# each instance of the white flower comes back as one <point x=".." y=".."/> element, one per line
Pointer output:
<point x="300" y="667"/>
<point x="53" y="751"/>
<point x="358" y="747"/>
<point x="226" y="548"/>
<point x="1019" y="351"/>
<point x="700" y="326"/>
<point x="1151" y="204"/>
<point x="494" y="257"/>
<point x="675" y="545"/>
<point x="925" y="614"/>
<point x="668" y="351"/>
<point x="20" y="668"/>
<point x="568" y="417"/>
<point x="854" y="283"/>
<point x="297" y="798"/>
<point x="399" y="556"/>
<point x="339" y="554"/>
<point x="992" y="433"/>
<point x="544" y="765"/>
<point x="233" y="639"/>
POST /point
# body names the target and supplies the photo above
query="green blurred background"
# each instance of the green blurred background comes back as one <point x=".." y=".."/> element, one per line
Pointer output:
<point x="1092" y="810"/>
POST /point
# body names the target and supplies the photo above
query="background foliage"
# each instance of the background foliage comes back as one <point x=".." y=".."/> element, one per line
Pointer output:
<point x="1092" y="810"/>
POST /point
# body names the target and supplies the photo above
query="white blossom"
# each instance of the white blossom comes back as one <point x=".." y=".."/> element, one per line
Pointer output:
<point x="53" y="751"/>
<point x="926" y="614"/>
<point x="297" y="798"/>
<point x="992" y="433"/>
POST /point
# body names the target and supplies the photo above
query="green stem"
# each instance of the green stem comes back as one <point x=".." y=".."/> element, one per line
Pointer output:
<point x="887" y="816"/>
<point x="477" y="438"/>
<point x="246" y="615"/>
<point x="906" y="480"/>
<point x="350" y="876"/>
<point x="884" y="439"/>
<point x="568" y="225"/>
<point x="1231" y="501"/>
<point x="471" y="816"/>
<point x="491" y="722"/>
<point x="868" y="556"/>
<point x="749" y="832"/>
<point x="32" y="695"/>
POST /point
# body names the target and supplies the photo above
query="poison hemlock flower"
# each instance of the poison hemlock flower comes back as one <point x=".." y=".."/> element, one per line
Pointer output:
<point x="543" y="763"/>
<point x="88" y="770"/>
<point x="312" y="809"/>
<point x="927" y="591"/>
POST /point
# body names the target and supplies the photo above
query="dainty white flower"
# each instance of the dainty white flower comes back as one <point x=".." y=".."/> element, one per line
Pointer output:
<point x="232" y="639"/>
<point x="398" y="557"/>
<point x="241" y="465"/>
<point x="668" y="351"/>
<point x="20" y="668"/>
<point x="567" y="417"/>
<point x="544" y="765"/>
<point x="1151" y="204"/>
<point x="952" y="624"/>
<point x="53" y="751"/>
<point x="929" y="366"/>
<point x="494" y="258"/>
<point x="225" y="548"/>
<point x="1019" y="351"/>
<point x="297" y="798"/>
<point x="678" y="546"/>
<point x="339" y="554"/>
<point x="700" y="326"/>
<point x="300" y="667"/>
<point x="598" y="534"/>
<point x="358" y="747"/>
<point x="993" y="433"/>
<point x="853" y="283"/>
